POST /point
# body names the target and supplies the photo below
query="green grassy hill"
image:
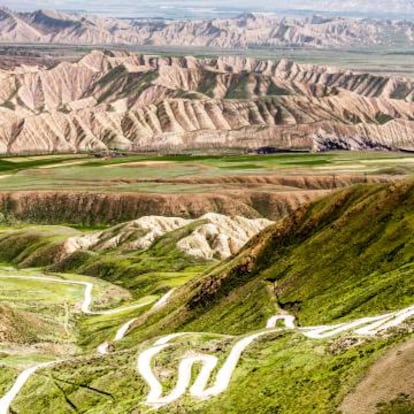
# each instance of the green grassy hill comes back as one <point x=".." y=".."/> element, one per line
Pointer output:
<point x="345" y="257"/>
<point x="143" y="271"/>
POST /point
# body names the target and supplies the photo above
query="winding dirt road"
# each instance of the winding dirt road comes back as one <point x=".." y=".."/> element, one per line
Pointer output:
<point x="87" y="299"/>
<point x="200" y="389"/>
<point x="7" y="399"/>
<point x="123" y="330"/>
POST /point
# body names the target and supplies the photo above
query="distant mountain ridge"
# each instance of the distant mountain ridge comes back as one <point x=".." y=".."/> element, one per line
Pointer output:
<point x="224" y="8"/>
<point x="245" y="31"/>
<point x="361" y="6"/>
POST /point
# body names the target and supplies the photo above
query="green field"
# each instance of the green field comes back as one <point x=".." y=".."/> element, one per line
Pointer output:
<point x="382" y="59"/>
<point x="165" y="174"/>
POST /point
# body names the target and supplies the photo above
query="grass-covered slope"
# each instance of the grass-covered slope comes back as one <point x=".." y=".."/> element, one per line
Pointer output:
<point x="344" y="257"/>
<point x="149" y="255"/>
<point x="33" y="246"/>
<point x="283" y="373"/>
<point x="144" y="271"/>
<point x="157" y="269"/>
<point x="348" y="255"/>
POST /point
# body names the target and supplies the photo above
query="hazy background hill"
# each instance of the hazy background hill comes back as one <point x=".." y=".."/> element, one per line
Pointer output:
<point x="225" y="8"/>
<point x="245" y="31"/>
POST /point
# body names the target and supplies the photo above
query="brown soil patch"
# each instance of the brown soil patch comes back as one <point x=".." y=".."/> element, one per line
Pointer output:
<point x="60" y="165"/>
<point x="310" y="182"/>
<point x="391" y="375"/>
<point x="136" y="164"/>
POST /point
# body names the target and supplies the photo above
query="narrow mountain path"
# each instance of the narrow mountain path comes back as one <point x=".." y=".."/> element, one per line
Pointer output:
<point x="7" y="399"/>
<point x="87" y="299"/>
<point x="123" y="330"/>
<point x="200" y="389"/>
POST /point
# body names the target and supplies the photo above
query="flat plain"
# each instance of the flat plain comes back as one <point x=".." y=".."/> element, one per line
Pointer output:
<point x="188" y="173"/>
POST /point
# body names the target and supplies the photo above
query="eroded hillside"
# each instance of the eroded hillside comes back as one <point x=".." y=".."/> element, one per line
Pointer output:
<point x="140" y="103"/>
<point x="258" y="196"/>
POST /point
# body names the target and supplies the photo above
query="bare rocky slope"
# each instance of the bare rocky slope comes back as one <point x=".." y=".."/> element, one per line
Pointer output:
<point x="245" y="31"/>
<point x="212" y="236"/>
<point x="127" y="101"/>
<point x="19" y="327"/>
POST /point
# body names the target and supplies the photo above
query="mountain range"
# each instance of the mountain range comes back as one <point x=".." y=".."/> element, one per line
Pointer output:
<point x="224" y="8"/>
<point x="128" y="101"/>
<point x="249" y="30"/>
